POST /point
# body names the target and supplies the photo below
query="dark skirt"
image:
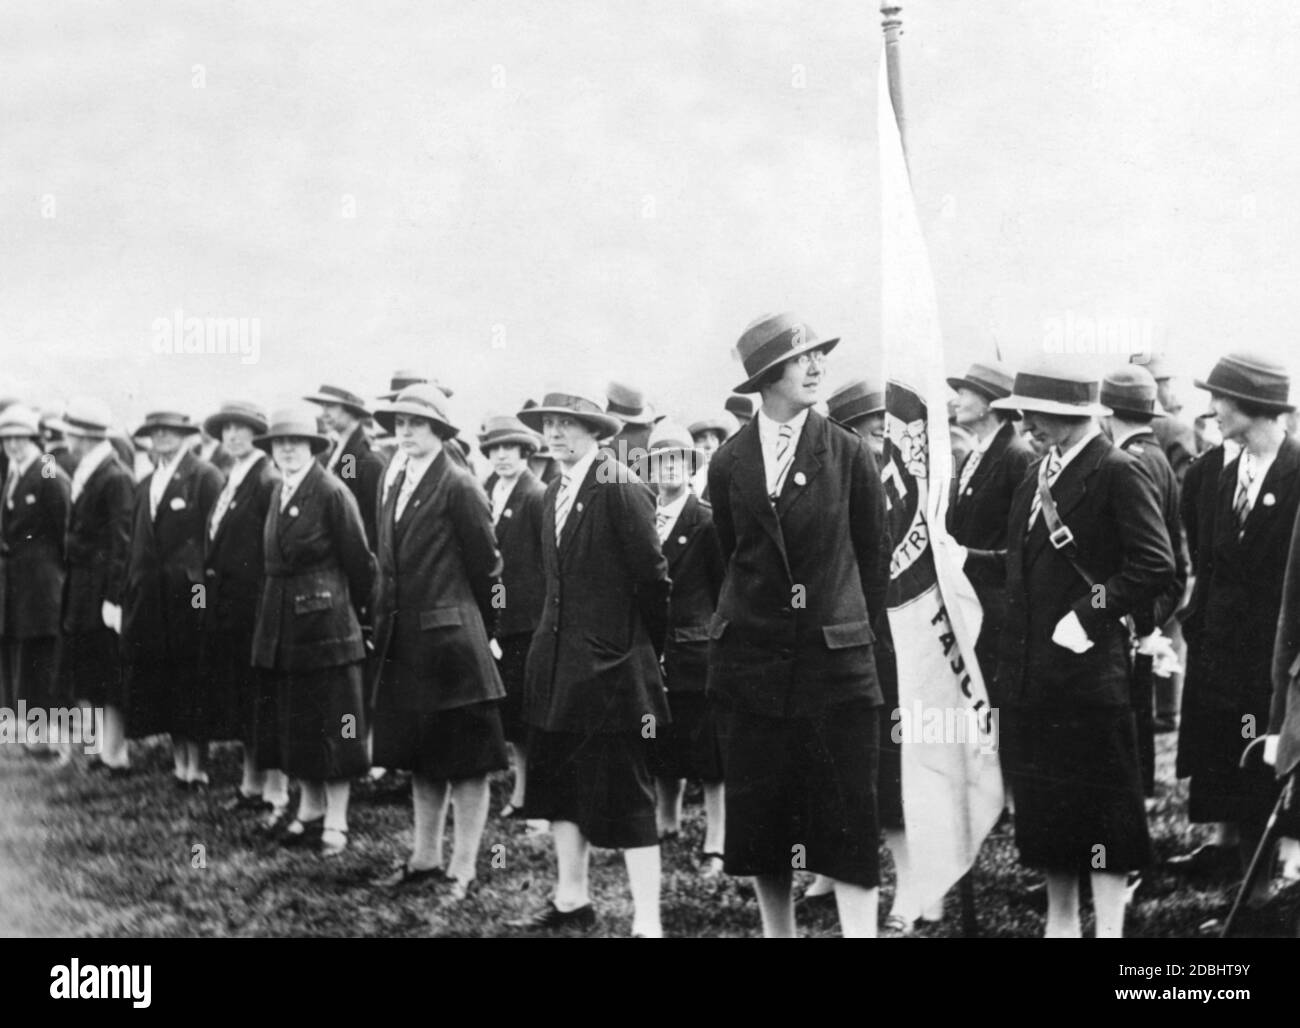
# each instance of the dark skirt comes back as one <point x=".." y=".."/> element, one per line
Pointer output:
<point x="321" y="723"/>
<point x="1077" y="786"/>
<point x="692" y="745"/>
<point x="598" y="782"/>
<point x="514" y="658"/>
<point x="224" y="707"/>
<point x="1220" y="789"/>
<point x="149" y="693"/>
<point x="444" y="745"/>
<point x="27" y="672"/>
<point x="801" y="794"/>
<point x="90" y="667"/>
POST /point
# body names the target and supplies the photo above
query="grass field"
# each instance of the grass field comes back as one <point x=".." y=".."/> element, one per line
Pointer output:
<point x="82" y="855"/>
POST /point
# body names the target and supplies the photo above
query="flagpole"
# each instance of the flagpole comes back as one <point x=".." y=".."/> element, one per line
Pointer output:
<point x="892" y="25"/>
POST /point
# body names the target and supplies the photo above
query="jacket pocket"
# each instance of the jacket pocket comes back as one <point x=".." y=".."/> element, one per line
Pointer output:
<point x="310" y="603"/>
<point x="439" y="617"/>
<point x="690" y="633"/>
<point x="846" y="636"/>
<point x="717" y="625"/>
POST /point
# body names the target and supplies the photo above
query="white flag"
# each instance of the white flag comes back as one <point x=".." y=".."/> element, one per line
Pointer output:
<point x="952" y="783"/>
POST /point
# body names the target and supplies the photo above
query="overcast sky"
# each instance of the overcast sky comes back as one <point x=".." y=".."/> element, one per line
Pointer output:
<point x="510" y="196"/>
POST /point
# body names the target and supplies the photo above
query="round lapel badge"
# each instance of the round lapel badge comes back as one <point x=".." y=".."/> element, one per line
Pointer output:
<point x="1269" y="499"/>
<point x="800" y="478"/>
<point x="293" y="511"/>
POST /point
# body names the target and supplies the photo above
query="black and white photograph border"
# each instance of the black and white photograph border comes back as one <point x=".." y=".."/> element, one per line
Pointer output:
<point x="334" y="300"/>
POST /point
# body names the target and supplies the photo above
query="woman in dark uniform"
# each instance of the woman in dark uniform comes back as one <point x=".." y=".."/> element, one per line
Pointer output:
<point x="691" y="746"/>
<point x="1240" y="570"/>
<point x="234" y="570"/>
<point x="435" y="696"/>
<point x="318" y="578"/>
<point x="1068" y="737"/>
<point x="515" y="494"/>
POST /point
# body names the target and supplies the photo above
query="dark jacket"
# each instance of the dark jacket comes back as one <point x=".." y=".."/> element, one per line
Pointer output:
<point x="593" y="665"/>
<point x="977" y="518"/>
<point x="519" y="538"/>
<point x="362" y="471"/>
<point x="33" y="525"/>
<point x="98" y="546"/>
<point x="161" y="611"/>
<point x="1284" y="708"/>
<point x="1146" y="449"/>
<point x="696" y="567"/>
<point x="234" y="564"/>
<point x="806" y="580"/>
<point x="1110" y="505"/>
<point x="439" y="569"/>
<point x="1231" y="669"/>
<point x="319" y="573"/>
<point x="1197" y="504"/>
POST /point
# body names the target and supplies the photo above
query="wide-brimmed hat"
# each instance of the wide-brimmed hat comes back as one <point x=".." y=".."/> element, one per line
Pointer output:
<point x="241" y="412"/>
<point x="1050" y="391"/>
<point x="988" y="378"/>
<point x="335" y="394"/>
<point x="573" y="405"/>
<point x="855" y="400"/>
<point x="771" y="339"/>
<point x="507" y="430"/>
<point x="297" y="421"/>
<point x="166" y="419"/>
<point x="85" y="416"/>
<point x="18" y="421"/>
<point x="668" y="437"/>
<point x="1130" y="390"/>
<point x="1252" y="378"/>
<point x="725" y="424"/>
<point x="627" y="403"/>
<point x="404" y="377"/>
<point x="423" y="400"/>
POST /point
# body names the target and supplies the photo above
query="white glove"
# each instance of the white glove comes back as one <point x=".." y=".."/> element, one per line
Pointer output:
<point x="1069" y="633"/>
<point x="1270" y="750"/>
<point x="495" y="647"/>
<point x="1160" y="647"/>
<point x="111" y="615"/>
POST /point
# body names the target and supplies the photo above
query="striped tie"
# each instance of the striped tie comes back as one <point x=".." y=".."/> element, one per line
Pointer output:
<point x="784" y="457"/>
<point x="1241" y="505"/>
<point x="563" y="500"/>
<point x="661" y="523"/>
<point x="1047" y="472"/>
<point x="968" y="470"/>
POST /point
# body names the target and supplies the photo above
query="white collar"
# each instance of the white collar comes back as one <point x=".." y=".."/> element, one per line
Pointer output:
<point x="577" y="473"/>
<point x="1128" y="432"/>
<point x="90" y="463"/>
<point x="674" y="509"/>
<point x="292" y="481"/>
<point x="22" y="467"/>
<point x="769" y="429"/>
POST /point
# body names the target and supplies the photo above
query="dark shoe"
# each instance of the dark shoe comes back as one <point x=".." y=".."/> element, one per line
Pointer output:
<point x="554" y="919"/>
<point x="712" y="864"/>
<point x="822" y="901"/>
<point x="243" y="803"/>
<point x="302" y="833"/>
<point x="668" y="838"/>
<point x="118" y="772"/>
<point x="512" y="813"/>
<point x="199" y="785"/>
<point x="180" y="784"/>
<point x="1208" y="861"/>
<point x="1035" y="897"/>
<point x="404" y="875"/>
<point x="896" y="927"/>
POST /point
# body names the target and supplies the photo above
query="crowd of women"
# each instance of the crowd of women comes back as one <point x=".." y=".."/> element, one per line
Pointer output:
<point x="627" y="603"/>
